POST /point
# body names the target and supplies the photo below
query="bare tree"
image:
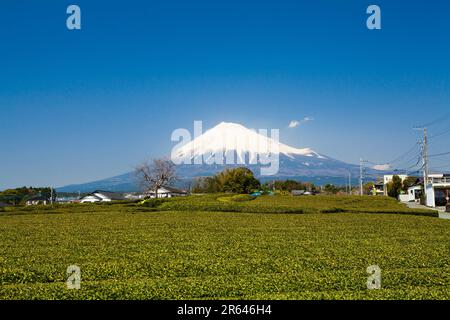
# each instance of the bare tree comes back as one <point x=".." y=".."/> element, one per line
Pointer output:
<point x="154" y="174"/>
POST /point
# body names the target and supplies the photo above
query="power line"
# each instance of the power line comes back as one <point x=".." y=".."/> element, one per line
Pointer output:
<point x="414" y="172"/>
<point x="404" y="154"/>
<point x="446" y="116"/>
<point x="440" y="134"/>
<point x="415" y="165"/>
<point x="422" y="155"/>
<point x="439" y="154"/>
<point x="441" y="160"/>
<point x="408" y="170"/>
<point x="401" y="164"/>
<point x="438" y="168"/>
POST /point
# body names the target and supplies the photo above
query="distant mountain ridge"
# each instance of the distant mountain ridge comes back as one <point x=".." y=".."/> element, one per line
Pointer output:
<point x="231" y="139"/>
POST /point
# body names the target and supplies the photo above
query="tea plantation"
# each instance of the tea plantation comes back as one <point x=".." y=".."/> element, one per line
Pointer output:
<point x="225" y="247"/>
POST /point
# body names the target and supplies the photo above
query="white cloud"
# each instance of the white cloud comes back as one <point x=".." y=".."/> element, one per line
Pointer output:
<point x="293" y="123"/>
<point x="382" y="167"/>
<point x="296" y="123"/>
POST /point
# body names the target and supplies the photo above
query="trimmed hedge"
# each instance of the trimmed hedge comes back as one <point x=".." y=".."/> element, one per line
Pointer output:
<point x="287" y="204"/>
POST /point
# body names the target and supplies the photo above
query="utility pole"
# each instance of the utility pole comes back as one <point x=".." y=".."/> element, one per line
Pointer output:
<point x="425" y="156"/>
<point x="345" y="184"/>
<point x="51" y="195"/>
<point x="361" y="176"/>
<point x="349" y="183"/>
<point x="425" y="162"/>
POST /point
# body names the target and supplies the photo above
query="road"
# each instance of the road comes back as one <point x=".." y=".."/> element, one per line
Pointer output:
<point x="441" y="210"/>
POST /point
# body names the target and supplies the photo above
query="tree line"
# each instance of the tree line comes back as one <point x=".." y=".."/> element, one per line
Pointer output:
<point x="21" y="195"/>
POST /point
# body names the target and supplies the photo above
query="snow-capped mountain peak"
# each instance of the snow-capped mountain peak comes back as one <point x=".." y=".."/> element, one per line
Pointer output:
<point x="229" y="137"/>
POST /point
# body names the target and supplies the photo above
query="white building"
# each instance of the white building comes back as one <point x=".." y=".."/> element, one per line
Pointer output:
<point x="37" y="200"/>
<point x="134" y="196"/>
<point x="102" y="196"/>
<point x="413" y="195"/>
<point x="167" y="192"/>
<point x="437" y="190"/>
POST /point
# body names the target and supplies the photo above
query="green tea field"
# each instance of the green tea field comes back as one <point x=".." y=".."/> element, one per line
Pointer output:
<point x="225" y="247"/>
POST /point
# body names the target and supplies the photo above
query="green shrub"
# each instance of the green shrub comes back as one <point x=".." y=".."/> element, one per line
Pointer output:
<point x="126" y="201"/>
<point x="242" y="197"/>
<point x="237" y="198"/>
<point x="289" y="204"/>
<point x="154" y="202"/>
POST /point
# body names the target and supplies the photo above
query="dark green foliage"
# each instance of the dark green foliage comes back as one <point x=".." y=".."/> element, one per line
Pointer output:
<point x="207" y="185"/>
<point x="237" y="198"/>
<point x="238" y="180"/>
<point x="289" y="185"/>
<point x="154" y="203"/>
<point x="330" y="189"/>
<point x="368" y="188"/>
<point x="395" y="187"/>
<point x="409" y="182"/>
<point x="20" y="195"/>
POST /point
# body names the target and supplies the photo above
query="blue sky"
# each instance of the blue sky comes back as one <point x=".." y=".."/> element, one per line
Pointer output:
<point x="82" y="105"/>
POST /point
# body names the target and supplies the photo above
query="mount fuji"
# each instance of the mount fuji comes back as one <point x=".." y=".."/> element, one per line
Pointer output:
<point x="231" y="138"/>
<point x="244" y="146"/>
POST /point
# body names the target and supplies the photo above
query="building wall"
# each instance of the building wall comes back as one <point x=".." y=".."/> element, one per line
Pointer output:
<point x="430" y="196"/>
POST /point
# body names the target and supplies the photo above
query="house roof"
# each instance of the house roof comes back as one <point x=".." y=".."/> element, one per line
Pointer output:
<point x="92" y="195"/>
<point x="109" y="194"/>
<point x="4" y="204"/>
